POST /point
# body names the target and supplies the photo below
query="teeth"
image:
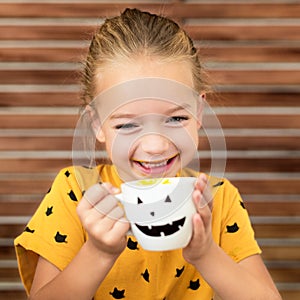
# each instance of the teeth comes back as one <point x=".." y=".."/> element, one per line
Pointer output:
<point x="154" y="165"/>
<point x="149" y="227"/>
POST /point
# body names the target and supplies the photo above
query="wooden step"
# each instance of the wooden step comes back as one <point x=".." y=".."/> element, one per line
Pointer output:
<point x="229" y="118"/>
<point x="280" y="249"/>
<point x="12" y="226"/>
<point x="217" y="52"/>
<point x="242" y="165"/>
<point x="79" y="30"/>
<point x="219" y="9"/>
<point x="233" y="143"/>
<point x="256" y="183"/>
<point x="230" y="95"/>
<point x="221" y="76"/>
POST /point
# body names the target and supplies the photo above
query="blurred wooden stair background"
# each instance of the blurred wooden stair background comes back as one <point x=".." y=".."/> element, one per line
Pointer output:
<point x="252" y="51"/>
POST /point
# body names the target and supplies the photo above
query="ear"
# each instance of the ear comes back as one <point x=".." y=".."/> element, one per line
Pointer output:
<point x="100" y="135"/>
<point x="95" y="123"/>
<point x="200" y="107"/>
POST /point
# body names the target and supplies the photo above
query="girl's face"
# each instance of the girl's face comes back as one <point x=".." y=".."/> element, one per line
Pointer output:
<point x="149" y="137"/>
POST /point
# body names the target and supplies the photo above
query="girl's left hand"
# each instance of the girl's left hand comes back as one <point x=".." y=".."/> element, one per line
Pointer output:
<point x="202" y="239"/>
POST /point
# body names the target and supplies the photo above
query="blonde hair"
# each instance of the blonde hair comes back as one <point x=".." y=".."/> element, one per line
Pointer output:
<point x="135" y="33"/>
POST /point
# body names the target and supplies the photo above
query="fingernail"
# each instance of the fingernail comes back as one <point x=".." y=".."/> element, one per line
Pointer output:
<point x="198" y="197"/>
<point x="203" y="177"/>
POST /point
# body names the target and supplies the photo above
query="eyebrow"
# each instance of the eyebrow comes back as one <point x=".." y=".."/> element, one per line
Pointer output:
<point x="179" y="107"/>
<point x="131" y="116"/>
<point x="122" y="116"/>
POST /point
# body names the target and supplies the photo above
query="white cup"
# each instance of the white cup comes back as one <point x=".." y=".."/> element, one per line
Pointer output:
<point x="160" y="211"/>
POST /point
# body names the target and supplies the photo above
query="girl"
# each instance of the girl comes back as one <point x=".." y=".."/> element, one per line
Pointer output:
<point x="76" y="247"/>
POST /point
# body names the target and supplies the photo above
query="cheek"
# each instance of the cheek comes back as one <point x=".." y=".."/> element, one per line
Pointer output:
<point x="188" y="137"/>
<point x="187" y="144"/>
<point x="119" y="148"/>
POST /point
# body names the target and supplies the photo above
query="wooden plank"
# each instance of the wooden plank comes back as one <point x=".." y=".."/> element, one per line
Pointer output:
<point x="264" y="142"/>
<point x="264" y="208"/>
<point x="268" y="186"/>
<point x="276" y="253"/>
<point x="258" y="120"/>
<point x="38" y="77"/>
<point x="18" y="208"/>
<point x="46" y="32"/>
<point x="221" y="76"/>
<point x="208" y="31"/>
<point x="281" y="253"/>
<point x="11" y="231"/>
<point x="290" y="294"/>
<point x="37" y="165"/>
<point x="250" y="53"/>
<point x="16" y="295"/>
<point x="38" y="121"/>
<point x="38" y="185"/>
<point x="240" y="32"/>
<point x="251" y="96"/>
<point x="268" y="208"/>
<point x="249" y="165"/>
<point x="7" y="251"/>
<point x="26" y="186"/>
<point x="255" y="76"/>
<point x="247" y="142"/>
<point x="261" y="230"/>
<point x="272" y="96"/>
<point x="284" y="273"/>
<point x="36" y="143"/>
<point x="228" y="120"/>
<point x="277" y="230"/>
<point x="221" y="53"/>
<point x="177" y="9"/>
<point x="23" y="165"/>
<point x="273" y="208"/>
<point x="43" y="99"/>
<point x="42" y="54"/>
<point x="9" y="274"/>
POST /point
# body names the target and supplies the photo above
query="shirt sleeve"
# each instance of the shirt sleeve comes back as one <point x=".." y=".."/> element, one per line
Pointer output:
<point x="55" y="231"/>
<point x="236" y="236"/>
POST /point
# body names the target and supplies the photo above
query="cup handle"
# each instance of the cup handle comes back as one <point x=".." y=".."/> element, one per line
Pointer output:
<point x="120" y="198"/>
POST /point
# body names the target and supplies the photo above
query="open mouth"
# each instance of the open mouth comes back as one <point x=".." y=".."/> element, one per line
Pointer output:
<point x="162" y="230"/>
<point x="155" y="166"/>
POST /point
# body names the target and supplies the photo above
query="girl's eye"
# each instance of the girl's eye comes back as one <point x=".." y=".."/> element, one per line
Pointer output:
<point x="126" y="126"/>
<point x="177" y="119"/>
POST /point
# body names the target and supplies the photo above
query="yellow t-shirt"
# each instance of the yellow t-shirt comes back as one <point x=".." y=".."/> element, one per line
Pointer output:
<point x="56" y="233"/>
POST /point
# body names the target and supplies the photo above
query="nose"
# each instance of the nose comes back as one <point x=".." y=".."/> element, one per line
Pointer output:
<point x="154" y="144"/>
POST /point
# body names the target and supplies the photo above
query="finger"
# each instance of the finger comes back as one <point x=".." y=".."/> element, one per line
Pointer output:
<point x="198" y="226"/>
<point x="108" y="226"/>
<point x="116" y="214"/>
<point x="107" y="204"/>
<point x="203" y="210"/>
<point x="93" y="195"/>
<point x="203" y="186"/>
<point x="121" y="227"/>
<point x="197" y="221"/>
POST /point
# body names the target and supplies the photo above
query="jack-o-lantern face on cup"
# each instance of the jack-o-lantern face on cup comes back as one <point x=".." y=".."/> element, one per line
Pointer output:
<point x="160" y="211"/>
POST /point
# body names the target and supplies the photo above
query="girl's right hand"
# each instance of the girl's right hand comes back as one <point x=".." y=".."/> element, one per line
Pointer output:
<point x="103" y="219"/>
